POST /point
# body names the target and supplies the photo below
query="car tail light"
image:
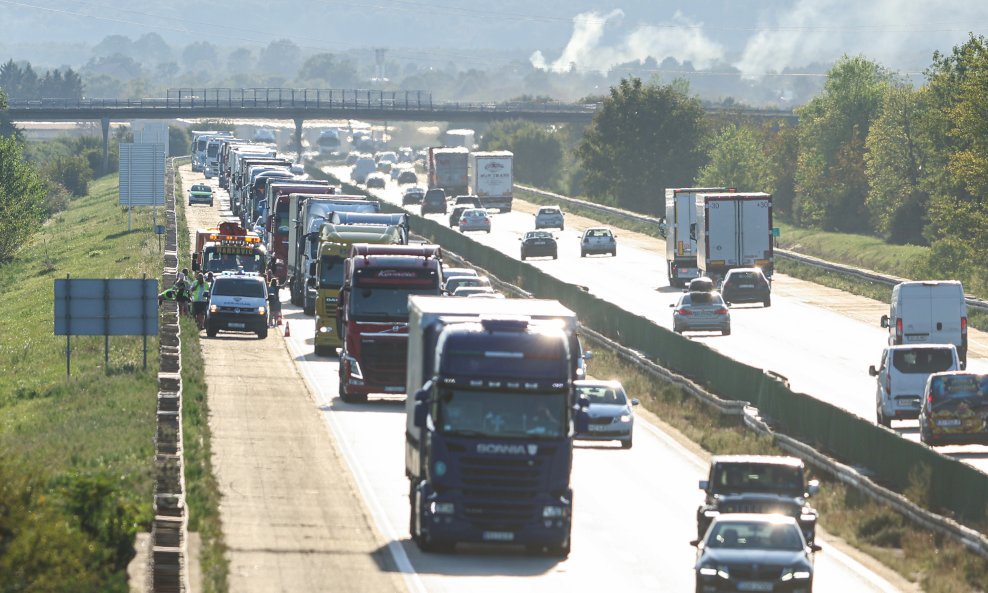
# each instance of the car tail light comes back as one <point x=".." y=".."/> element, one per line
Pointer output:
<point x="888" y="383"/>
<point x="684" y="311"/>
<point x="721" y="311"/>
<point x="898" y="331"/>
<point x="964" y="326"/>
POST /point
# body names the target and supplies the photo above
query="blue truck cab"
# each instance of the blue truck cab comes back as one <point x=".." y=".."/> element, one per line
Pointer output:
<point x="489" y="440"/>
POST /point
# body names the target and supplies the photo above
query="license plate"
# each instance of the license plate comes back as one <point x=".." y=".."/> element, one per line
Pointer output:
<point x="746" y="285"/>
<point x="398" y="389"/>
<point x="237" y="325"/>
<point x="916" y="337"/>
<point x="498" y="536"/>
<point x="599" y="427"/>
<point x="754" y="586"/>
<point x="949" y="422"/>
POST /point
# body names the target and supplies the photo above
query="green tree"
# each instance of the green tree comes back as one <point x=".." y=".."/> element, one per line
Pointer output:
<point x="281" y="57"/>
<point x="831" y="185"/>
<point x="738" y="159"/>
<point x="178" y="141"/>
<point x="896" y="158"/>
<point x="73" y="172"/>
<point x="328" y="71"/>
<point x="643" y="139"/>
<point x="22" y="197"/>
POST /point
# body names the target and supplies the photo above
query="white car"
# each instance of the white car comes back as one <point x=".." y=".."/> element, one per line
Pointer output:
<point x="902" y="374"/>
<point x="598" y="240"/>
<point x="549" y="217"/>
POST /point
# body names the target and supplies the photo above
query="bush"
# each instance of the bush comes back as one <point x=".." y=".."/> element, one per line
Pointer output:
<point x="73" y="172"/>
<point x="56" y="198"/>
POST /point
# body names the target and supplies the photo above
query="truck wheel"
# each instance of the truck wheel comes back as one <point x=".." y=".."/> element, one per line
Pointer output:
<point x="322" y="351"/>
<point x="309" y="309"/>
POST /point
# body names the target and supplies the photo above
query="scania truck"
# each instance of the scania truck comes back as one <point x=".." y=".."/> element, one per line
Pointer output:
<point x="681" y="233"/>
<point x="335" y="241"/>
<point x="373" y="312"/>
<point x="490" y="420"/>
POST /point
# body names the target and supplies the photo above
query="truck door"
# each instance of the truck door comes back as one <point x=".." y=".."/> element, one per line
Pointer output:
<point x="945" y="314"/>
<point x="722" y="232"/>
<point x="754" y="236"/>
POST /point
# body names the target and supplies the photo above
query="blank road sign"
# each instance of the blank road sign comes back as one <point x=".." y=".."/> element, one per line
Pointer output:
<point x="142" y="174"/>
<point x="110" y="307"/>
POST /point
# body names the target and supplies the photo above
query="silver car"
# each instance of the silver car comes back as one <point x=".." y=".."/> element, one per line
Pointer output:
<point x="701" y="311"/>
<point x="549" y="217"/>
<point x="611" y="417"/>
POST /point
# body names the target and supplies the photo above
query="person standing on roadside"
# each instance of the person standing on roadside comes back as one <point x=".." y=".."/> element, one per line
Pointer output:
<point x="198" y="292"/>
<point x="274" y="303"/>
<point x="182" y="296"/>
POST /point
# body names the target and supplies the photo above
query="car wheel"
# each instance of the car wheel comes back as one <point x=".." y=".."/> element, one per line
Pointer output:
<point x="583" y="253"/>
<point x="767" y="302"/>
<point x="262" y="333"/>
<point x="523" y="257"/>
<point x="562" y="227"/>
<point x="614" y="252"/>
<point x="882" y="420"/>
<point x="211" y="332"/>
<point x="726" y="331"/>
<point x="555" y="255"/>
<point x="626" y="444"/>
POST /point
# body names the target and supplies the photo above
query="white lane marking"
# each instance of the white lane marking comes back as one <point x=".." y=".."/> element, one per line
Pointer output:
<point x="412" y="579"/>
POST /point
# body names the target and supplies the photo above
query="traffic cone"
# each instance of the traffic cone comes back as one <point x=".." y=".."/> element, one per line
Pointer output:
<point x="288" y="330"/>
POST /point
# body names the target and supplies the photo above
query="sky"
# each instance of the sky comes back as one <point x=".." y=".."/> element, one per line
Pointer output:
<point x="757" y="37"/>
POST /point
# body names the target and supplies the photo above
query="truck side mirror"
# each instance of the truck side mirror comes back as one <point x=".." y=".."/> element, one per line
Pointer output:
<point x="581" y="423"/>
<point x="421" y="413"/>
<point x="885" y="321"/>
<point x="872" y="371"/>
<point x="813" y="487"/>
<point x="312" y="268"/>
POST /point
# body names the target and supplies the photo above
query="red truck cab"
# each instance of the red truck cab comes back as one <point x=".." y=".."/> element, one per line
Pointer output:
<point x="373" y="308"/>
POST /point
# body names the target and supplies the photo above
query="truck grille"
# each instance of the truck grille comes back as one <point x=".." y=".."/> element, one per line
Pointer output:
<point x="502" y="492"/>
<point x="383" y="360"/>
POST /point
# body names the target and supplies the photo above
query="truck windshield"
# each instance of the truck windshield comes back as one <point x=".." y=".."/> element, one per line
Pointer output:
<point x="384" y="303"/>
<point x="218" y="262"/>
<point x="331" y="271"/>
<point x="503" y="415"/>
<point x="281" y="218"/>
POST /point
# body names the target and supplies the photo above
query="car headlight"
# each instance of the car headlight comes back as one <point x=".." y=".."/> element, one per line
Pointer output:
<point x="261" y="310"/>
<point x="553" y="512"/>
<point x="213" y="308"/>
<point x="800" y="574"/>
<point x="625" y="418"/>
<point x="715" y="571"/>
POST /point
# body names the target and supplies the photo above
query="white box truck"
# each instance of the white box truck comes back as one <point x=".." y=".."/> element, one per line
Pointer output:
<point x="681" y="232"/>
<point x="928" y="312"/>
<point x="734" y="230"/>
<point x="491" y="179"/>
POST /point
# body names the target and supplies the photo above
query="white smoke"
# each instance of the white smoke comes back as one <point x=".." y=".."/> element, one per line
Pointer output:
<point x="679" y="39"/>
<point x="900" y="34"/>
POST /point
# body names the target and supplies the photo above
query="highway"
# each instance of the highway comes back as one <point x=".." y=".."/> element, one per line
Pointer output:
<point x="821" y="339"/>
<point x="634" y="509"/>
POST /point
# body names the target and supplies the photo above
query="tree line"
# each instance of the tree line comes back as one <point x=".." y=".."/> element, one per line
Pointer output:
<point x="871" y="154"/>
<point x="22" y="82"/>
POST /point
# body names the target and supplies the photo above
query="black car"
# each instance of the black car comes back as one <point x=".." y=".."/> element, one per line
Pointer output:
<point x="746" y="285"/>
<point x="746" y="552"/>
<point x="472" y="201"/>
<point x="434" y="202"/>
<point x="376" y="181"/>
<point x="538" y="244"/>
<point x="770" y="484"/>
<point x="407" y="177"/>
<point x="413" y="195"/>
<point x="454" y="218"/>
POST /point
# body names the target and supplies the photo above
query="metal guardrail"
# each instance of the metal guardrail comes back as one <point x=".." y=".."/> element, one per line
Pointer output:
<point x="858" y="273"/>
<point x="973" y="540"/>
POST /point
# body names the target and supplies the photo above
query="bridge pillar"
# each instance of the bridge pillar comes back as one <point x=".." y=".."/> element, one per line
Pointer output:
<point x="106" y="144"/>
<point x="298" y="138"/>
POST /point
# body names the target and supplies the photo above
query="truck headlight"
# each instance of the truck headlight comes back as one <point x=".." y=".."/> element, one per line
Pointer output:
<point x="553" y="512"/>
<point x="261" y="310"/>
<point x="325" y="330"/>
<point x="443" y="508"/>
<point x="354" y="368"/>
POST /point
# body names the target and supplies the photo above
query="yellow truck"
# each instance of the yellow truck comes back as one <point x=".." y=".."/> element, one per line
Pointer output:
<point x="334" y="247"/>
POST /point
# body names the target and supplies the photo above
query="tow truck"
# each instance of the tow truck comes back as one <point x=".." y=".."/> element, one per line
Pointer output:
<point x="230" y="247"/>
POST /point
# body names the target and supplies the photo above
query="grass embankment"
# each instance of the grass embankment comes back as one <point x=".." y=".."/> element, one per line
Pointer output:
<point x="203" y="495"/>
<point x="861" y="251"/>
<point x="936" y="564"/>
<point x="76" y="455"/>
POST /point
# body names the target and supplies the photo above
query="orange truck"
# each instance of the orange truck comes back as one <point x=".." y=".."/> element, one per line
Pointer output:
<point x="230" y="247"/>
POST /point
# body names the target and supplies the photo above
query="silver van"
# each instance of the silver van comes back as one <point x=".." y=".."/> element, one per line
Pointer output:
<point x="901" y="378"/>
<point x="928" y="312"/>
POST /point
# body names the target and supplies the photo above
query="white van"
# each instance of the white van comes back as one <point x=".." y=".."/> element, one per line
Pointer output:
<point x="929" y="312"/>
<point x="238" y="301"/>
<point x="902" y="374"/>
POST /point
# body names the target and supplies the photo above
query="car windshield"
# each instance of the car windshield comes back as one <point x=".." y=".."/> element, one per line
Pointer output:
<point x="755" y="477"/>
<point x="241" y="287"/>
<point x="458" y="281"/>
<point x="744" y="278"/>
<point x="538" y="235"/>
<point x="603" y="394"/>
<point x="384" y="303"/>
<point x="923" y="361"/>
<point x="599" y="233"/>
<point x="968" y="388"/>
<point x="201" y="188"/>
<point x="549" y="211"/>
<point x="331" y="271"/>
<point x="504" y="415"/>
<point x="755" y="535"/>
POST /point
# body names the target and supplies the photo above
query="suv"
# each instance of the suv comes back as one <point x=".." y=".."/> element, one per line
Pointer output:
<point x="549" y="217"/>
<point x="746" y="285"/>
<point x="237" y="302"/>
<point x="758" y="484"/>
<point x="902" y="374"/>
<point x="434" y="201"/>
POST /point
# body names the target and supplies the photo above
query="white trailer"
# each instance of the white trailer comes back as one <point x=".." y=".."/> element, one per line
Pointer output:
<point x="491" y="178"/>
<point x="681" y="232"/>
<point x="734" y="230"/>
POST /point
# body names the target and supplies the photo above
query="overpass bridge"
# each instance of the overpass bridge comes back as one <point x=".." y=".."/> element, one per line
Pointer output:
<point x="299" y="105"/>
